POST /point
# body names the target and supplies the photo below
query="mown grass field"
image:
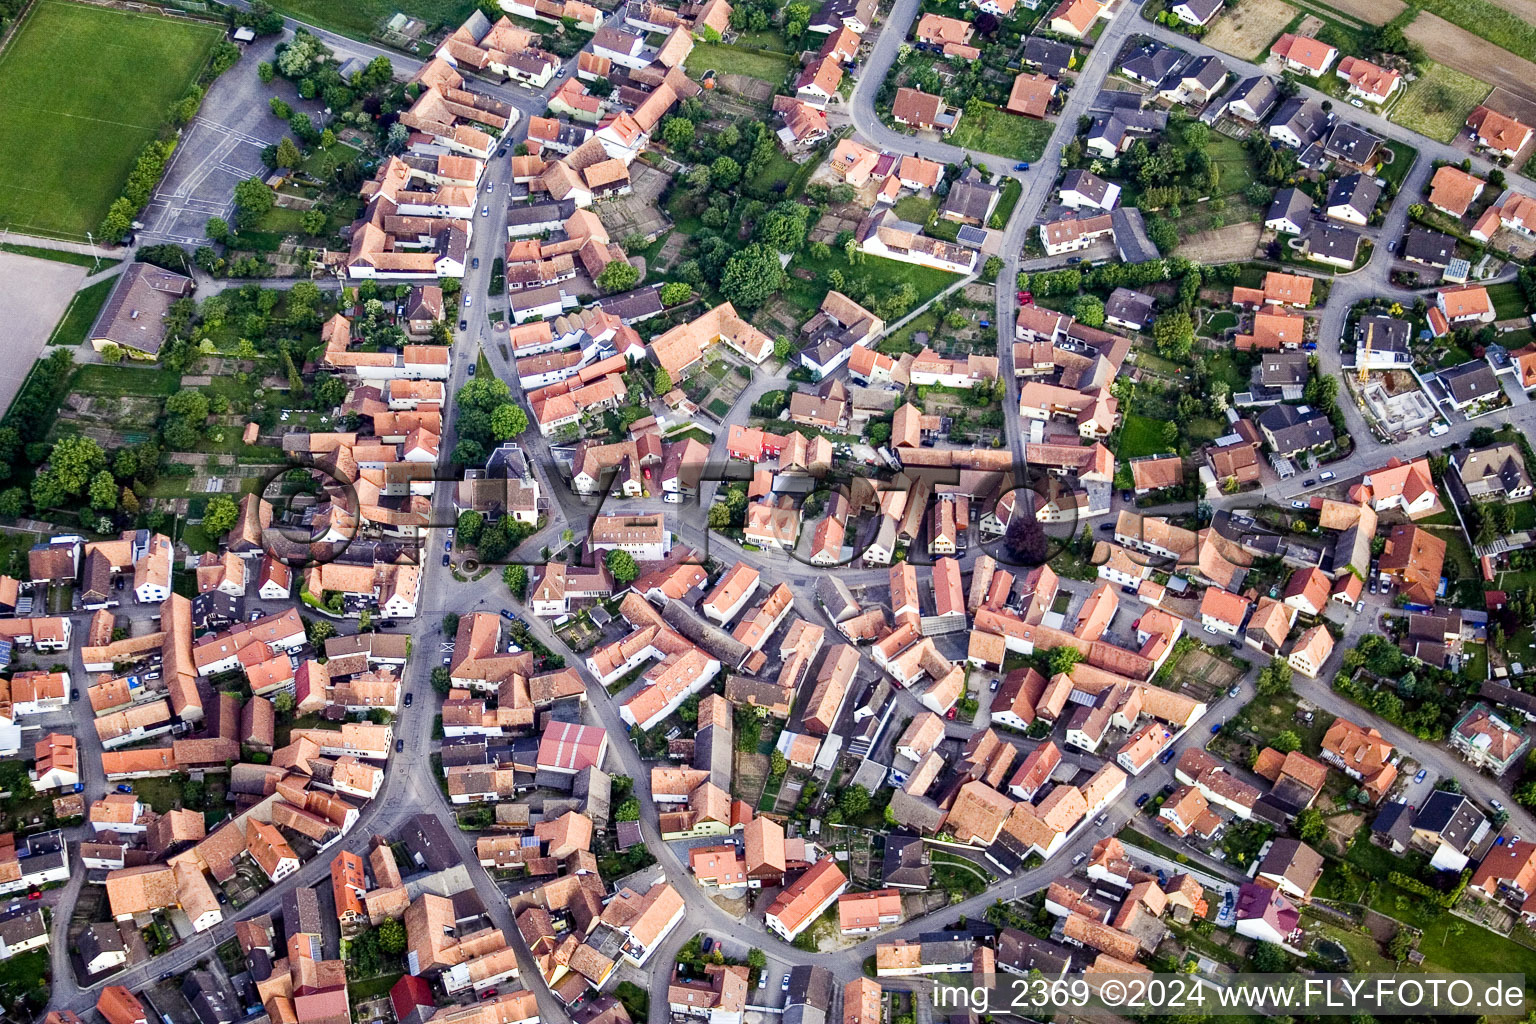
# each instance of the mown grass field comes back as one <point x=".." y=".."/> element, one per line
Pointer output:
<point x="729" y="60"/>
<point x="1493" y="22"/>
<point x="1003" y="134"/>
<point x="359" y="18"/>
<point x="68" y="138"/>
<point x="1438" y="102"/>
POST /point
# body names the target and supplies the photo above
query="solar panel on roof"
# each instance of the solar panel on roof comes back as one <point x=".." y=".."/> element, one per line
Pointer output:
<point x="971" y="235"/>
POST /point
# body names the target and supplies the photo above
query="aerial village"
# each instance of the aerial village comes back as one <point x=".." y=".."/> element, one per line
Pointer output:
<point x="735" y="511"/>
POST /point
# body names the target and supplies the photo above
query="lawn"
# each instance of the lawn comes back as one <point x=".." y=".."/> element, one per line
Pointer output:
<point x="1235" y="166"/>
<point x="119" y="381"/>
<point x="728" y="60"/>
<point x="81" y="313"/>
<point x="1403" y="156"/>
<point x="1013" y="189"/>
<point x="1213" y="325"/>
<point x="68" y="141"/>
<point x="358" y="18"/>
<point x="1141" y="435"/>
<point x="1437" y="103"/>
<point x="1500" y="25"/>
<point x="1508" y="300"/>
<point x="874" y="276"/>
<point x="1001" y="133"/>
<point x="74" y="259"/>
<point x="914" y="208"/>
<point x="322" y="163"/>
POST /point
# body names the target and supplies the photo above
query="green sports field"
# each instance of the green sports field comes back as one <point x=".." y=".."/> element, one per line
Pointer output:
<point x="85" y="89"/>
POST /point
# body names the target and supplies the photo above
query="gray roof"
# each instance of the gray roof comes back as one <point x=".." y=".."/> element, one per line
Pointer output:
<point x="1131" y="241"/>
<point x="1454" y="818"/>
<point x="1129" y="305"/>
<point x="1280" y="368"/>
<point x="1085" y="183"/>
<point x="135" y="313"/>
<point x="1260" y="93"/>
<point x="1151" y="62"/>
<point x="1332" y="240"/>
<point x="1355" y="191"/>
<point x="1021" y="952"/>
<point x="528" y="214"/>
<point x="970" y="197"/>
<point x="1047" y="53"/>
<point x="1201" y="9"/>
<point x="1471" y="380"/>
<point x="427" y="841"/>
<point x="810" y="987"/>
<point x="1294" y="429"/>
<point x="1386" y="334"/>
<point x="1432" y="247"/>
<point x="26" y="924"/>
<point x="1395" y="820"/>
<point x="1207" y="70"/>
<point x="1304" y="117"/>
<point x="1350" y="142"/>
<point x="634" y="306"/>
<point x="1291" y="203"/>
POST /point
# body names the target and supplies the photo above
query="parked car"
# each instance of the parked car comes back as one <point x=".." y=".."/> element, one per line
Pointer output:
<point x="74" y="694"/>
<point x="1299" y="504"/>
<point x="123" y="787"/>
<point x="472" y="368"/>
<point x="1496" y="805"/>
<point x="951" y="714"/>
<point x="1142" y="800"/>
<point x="447" y="545"/>
<point x="410" y="698"/>
<point x="1327" y="475"/>
<point x="993" y="687"/>
<point x="485" y="211"/>
<point x="1079" y="859"/>
<point x="1309" y="482"/>
<point x="1217" y="728"/>
<point x="1360" y="605"/>
<point x="1101" y="820"/>
<point x="1021" y="166"/>
<point x="506" y="613"/>
<point x="1166" y="756"/>
<point x="474" y="264"/>
<point x="445" y="561"/>
<point x="1437" y="429"/>
<point x="707" y="945"/>
<point x="463" y="325"/>
<point x="784" y="985"/>
<point x="1235" y="691"/>
<point x="399" y="746"/>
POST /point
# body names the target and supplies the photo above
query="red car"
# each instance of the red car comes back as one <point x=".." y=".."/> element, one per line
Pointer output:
<point x="34" y="895"/>
<point x="950" y="715"/>
<point x="488" y="993"/>
<point x="1026" y="298"/>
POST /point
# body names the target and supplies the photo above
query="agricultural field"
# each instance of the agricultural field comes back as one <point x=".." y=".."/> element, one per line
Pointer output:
<point x="1510" y="24"/>
<point x="1003" y="134"/>
<point x="1437" y="104"/>
<point x="1469" y="53"/>
<point x="1247" y="30"/>
<point x="730" y="60"/>
<point x="68" y="141"/>
<point x="1372" y="12"/>
<point x="360" y="18"/>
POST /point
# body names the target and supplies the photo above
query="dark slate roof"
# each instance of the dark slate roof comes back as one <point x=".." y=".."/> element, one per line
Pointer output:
<point x="1151" y="62"/>
<point x="1049" y="54"/>
<point x="1131" y="240"/>
<point x="1350" y="142"/>
<point x="1260" y="92"/>
<point x="1129" y="305"/>
<point x="427" y="841"/>
<point x="1085" y="183"/>
<point x="1432" y="247"/>
<point x="1290" y="203"/>
<point x="1355" y="191"/>
<point x="1387" y="334"/>
<point x="905" y="862"/>
<point x="1470" y="380"/>
<point x="1332" y="240"/>
<point x="1293" y="429"/>
<point x="1304" y="117"/>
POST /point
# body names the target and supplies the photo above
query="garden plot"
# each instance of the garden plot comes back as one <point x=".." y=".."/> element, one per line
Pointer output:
<point x="1229" y="244"/>
<point x="1247" y="30"/>
<point x="1470" y="54"/>
<point x="640" y="212"/>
